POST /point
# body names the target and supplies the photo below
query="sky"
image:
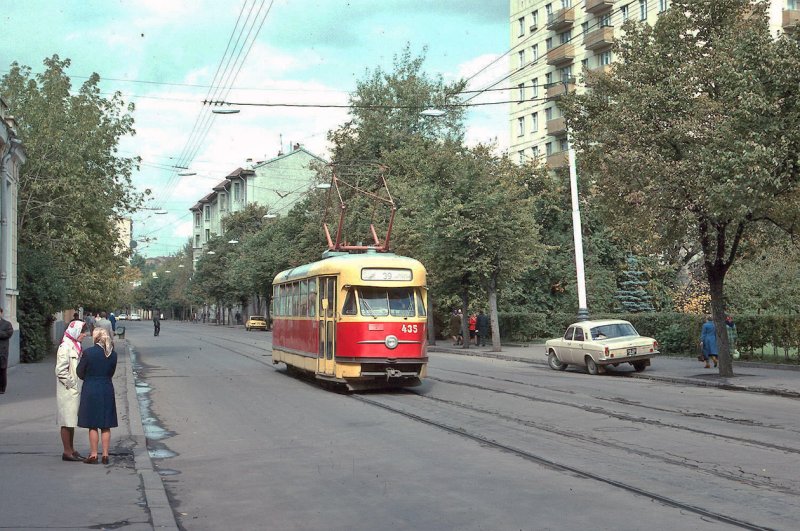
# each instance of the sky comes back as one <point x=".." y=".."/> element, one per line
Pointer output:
<point x="163" y="55"/>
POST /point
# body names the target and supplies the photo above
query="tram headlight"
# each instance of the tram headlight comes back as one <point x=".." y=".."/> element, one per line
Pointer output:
<point x="391" y="342"/>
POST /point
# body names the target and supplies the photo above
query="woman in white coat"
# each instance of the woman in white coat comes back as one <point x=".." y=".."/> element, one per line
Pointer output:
<point x="68" y="386"/>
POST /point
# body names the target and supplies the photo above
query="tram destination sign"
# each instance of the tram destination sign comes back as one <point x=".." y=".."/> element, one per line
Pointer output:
<point x="373" y="273"/>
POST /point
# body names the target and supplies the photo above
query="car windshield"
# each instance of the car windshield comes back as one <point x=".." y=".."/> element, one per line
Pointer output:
<point x="256" y="318"/>
<point x="612" y="330"/>
<point x="378" y="302"/>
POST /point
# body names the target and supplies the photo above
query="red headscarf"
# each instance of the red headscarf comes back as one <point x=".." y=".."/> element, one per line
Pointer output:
<point x="72" y="333"/>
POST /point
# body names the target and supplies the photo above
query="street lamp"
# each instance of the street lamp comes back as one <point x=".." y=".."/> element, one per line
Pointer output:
<point x="225" y="111"/>
<point x="433" y="113"/>
<point x="211" y="252"/>
<point x="269" y="216"/>
<point x="233" y="241"/>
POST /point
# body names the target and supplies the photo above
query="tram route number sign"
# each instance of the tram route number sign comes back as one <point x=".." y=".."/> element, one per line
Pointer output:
<point x="373" y="273"/>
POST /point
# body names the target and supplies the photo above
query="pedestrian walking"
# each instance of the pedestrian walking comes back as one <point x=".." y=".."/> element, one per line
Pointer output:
<point x="105" y="323"/>
<point x="89" y="319"/>
<point x="68" y="387"/>
<point x="733" y="336"/>
<point x="113" y="319"/>
<point x="708" y="340"/>
<point x="98" y="409"/>
<point x="6" y="331"/>
<point x="455" y="327"/>
<point x="483" y="327"/>
<point x="156" y="323"/>
<point x="473" y="329"/>
<point x="239" y="317"/>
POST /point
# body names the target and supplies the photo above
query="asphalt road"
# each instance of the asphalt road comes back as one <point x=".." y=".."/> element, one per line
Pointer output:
<point x="482" y="444"/>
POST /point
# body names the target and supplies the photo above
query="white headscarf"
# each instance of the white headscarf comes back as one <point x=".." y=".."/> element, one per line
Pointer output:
<point x="73" y="331"/>
<point x="100" y="337"/>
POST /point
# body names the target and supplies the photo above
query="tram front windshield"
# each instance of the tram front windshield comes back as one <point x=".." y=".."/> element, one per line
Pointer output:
<point x="380" y="302"/>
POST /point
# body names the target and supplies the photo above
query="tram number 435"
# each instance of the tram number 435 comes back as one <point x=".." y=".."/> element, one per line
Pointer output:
<point x="409" y="329"/>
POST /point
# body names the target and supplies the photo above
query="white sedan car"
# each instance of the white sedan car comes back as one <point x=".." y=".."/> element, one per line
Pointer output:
<point x="597" y="344"/>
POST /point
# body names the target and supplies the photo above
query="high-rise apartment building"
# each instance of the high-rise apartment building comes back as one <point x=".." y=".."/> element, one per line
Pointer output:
<point x="553" y="41"/>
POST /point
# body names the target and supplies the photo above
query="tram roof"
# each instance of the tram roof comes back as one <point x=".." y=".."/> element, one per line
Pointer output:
<point x="352" y="262"/>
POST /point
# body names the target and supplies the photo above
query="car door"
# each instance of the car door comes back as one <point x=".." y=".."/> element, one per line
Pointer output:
<point x="565" y="352"/>
<point x="577" y="350"/>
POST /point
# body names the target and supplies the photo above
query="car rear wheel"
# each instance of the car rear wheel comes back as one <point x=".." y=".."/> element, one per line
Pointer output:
<point x="639" y="366"/>
<point x="554" y="362"/>
<point x="591" y="366"/>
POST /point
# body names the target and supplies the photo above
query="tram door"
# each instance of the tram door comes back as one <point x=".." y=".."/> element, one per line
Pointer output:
<point x="327" y="325"/>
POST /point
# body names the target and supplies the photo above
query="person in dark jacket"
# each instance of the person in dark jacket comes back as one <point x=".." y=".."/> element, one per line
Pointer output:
<point x="98" y="409"/>
<point x="6" y="331"/>
<point x="156" y="322"/>
<point x="708" y="340"/>
<point x="483" y="327"/>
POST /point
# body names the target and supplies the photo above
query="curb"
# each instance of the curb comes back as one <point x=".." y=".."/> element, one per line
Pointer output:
<point x="154" y="492"/>
<point x="670" y="379"/>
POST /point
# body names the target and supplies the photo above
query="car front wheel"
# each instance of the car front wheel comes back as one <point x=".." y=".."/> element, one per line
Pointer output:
<point x="591" y="366"/>
<point x="554" y="362"/>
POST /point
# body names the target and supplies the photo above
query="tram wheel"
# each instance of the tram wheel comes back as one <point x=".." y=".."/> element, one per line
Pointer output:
<point x="554" y="362"/>
<point x="591" y="366"/>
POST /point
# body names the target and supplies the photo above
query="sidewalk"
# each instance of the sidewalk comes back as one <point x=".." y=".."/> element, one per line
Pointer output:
<point x="781" y="380"/>
<point x="39" y="490"/>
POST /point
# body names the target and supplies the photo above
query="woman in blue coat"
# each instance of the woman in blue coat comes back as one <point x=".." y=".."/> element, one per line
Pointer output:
<point x="98" y="409"/>
<point x="708" y="339"/>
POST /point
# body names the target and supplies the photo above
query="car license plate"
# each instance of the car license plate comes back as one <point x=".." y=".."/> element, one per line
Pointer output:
<point x="632" y="351"/>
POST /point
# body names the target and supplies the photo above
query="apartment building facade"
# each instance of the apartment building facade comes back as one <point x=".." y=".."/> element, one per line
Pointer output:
<point x="553" y="42"/>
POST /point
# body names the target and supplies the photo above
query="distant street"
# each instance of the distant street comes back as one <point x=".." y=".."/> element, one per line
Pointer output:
<point x="482" y="444"/>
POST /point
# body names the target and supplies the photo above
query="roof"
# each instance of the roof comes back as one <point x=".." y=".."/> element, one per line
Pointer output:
<point x="222" y="185"/>
<point x="285" y="155"/>
<point x="239" y="173"/>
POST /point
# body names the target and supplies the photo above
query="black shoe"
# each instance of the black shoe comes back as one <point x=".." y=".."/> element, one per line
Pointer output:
<point x="65" y="457"/>
<point x="76" y="454"/>
<point x="105" y="459"/>
<point x="91" y="460"/>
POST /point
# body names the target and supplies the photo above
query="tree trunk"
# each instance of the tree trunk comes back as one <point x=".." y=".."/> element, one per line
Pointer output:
<point x="465" y="315"/>
<point x="716" y="279"/>
<point x="267" y="304"/>
<point x="494" y="323"/>
<point x="431" y="322"/>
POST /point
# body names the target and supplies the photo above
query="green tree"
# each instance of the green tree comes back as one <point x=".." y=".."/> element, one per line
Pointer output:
<point x="693" y="137"/>
<point x="71" y="190"/>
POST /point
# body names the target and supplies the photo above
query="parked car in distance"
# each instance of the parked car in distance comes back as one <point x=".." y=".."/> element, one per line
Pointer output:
<point x="135" y="317"/>
<point x="122" y="317"/>
<point x="256" y="322"/>
<point x="597" y="344"/>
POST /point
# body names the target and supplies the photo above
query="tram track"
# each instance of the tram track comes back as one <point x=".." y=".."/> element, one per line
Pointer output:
<point x="561" y="467"/>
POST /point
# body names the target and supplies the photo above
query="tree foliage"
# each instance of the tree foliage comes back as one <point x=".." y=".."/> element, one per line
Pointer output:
<point x="71" y="190"/>
<point x="693" y="137"/>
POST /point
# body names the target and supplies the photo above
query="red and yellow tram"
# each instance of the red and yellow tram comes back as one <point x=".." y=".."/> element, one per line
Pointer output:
<point x="353" y="319"/>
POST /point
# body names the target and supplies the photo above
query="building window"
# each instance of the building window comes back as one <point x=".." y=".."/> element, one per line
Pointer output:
<point x="521" y="126"/>
<point x="585" y="28"/>
<point x="565" y="37"/>
<point x="604" y="58"/>
<point x="548" y="148"/>
<point x="197" y="219"/>
<point x="535" y="23"/>
<point x="566" y="74"/>
<point x="563" y="144"/>
<point x="642" y="9"/>
<point x="522" y="157"/>
<point x="534" y="122"/>
<point x="624" y="12"/>
<point x="208" y="234"/>
<point x="566" y="4"/>
<point x="207" y="210"/>
<point x="197" y="240"/>
<point x="584" y="64"/>
<point x="548" y="43"/>
<point x="534" y="53"/>
<point x="548" y="79"/>
<point x="521" y="26"/>
<point x="237" y="191"/>
<point x="548" y="114"/>
<point x="605" y="20"/>
<point x="521" y="56"/>
<point x="664" y="4"/>
<point x="535" y="150"/>
<point x="548" y="9"/>
<point x="521" y="89"/>
<point x="535" y="88"/>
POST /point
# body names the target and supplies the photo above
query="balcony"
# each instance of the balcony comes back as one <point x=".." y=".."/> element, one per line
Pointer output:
<point x="559" y="89"/>
<point x="557" y="127"/>
<point x="558" y="160"/>
<point x="562" y="54"/>
<point x="599" y="38"/>
<point x="598" y="6"/>
<point x="561" y="19"/>
<point x="791" y="17"/>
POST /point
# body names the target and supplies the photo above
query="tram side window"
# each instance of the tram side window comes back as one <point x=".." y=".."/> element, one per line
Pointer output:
<point x="349" y="307"/>
<point x="282" y="302"/>
<point x="312" y="297"/>
<point x="295" y="298"/>
<point x="276" y="294"/>
<point x="420" y="306"/>
<point x="303" y="309"/>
